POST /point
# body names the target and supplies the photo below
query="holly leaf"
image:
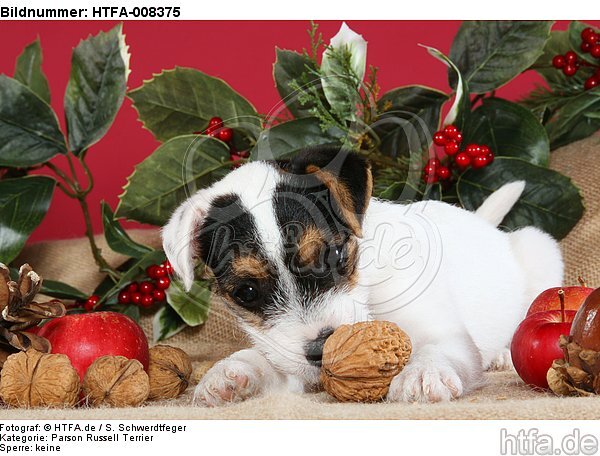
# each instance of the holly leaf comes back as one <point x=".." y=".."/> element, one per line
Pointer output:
<point x="510" y="130"/>
<point x="23" y="204"/>
<point x="570" y="122"/>
<point x="166" y="323"/>
<point x="182" y="101"/>
<point x="292" y="68"/>
<point x="28" y="71"/>
<point x="29" y="131"/>
<point x="192" y="306"/>
<point x="461" y="107"/>
<point x="116" y="237"/>
<point x="61" y="290"/>
<point x="174" y="171"/>
<point x="574" y="32"/>
<point x="97" y="86"/>
<point x="409" y="118"/>
<point x="132" y="311"/>
<point x="285" y="139"/>
<point x="402" y="191"/>
<point x="491" y="53"/>
<point x="550" y="200"/>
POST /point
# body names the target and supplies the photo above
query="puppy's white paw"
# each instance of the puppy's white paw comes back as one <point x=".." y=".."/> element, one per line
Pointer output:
<point x="227" y="382"/>
<point x="503" y="361"/>
<point x="425" y="382"/>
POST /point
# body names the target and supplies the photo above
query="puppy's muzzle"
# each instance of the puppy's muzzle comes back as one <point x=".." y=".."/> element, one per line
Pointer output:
<point x="314" y="349"/>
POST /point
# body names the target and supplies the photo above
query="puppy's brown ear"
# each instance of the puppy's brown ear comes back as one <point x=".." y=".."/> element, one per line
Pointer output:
<point x="346" y="174"/>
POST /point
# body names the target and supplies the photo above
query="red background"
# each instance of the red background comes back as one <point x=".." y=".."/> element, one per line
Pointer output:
<point x="242" y="53"/>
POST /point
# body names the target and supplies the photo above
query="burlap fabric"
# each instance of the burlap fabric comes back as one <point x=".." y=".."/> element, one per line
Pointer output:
<point x="505" y="396"/>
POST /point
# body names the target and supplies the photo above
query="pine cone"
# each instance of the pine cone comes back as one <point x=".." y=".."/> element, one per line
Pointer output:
<point x="18" y="311"/>
<point x="577" y="374"/>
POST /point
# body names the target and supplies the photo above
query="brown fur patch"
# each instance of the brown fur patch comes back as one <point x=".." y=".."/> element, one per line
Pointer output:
<point x="310" y="245"/>
<point x="352" y="275"/>
<point x="341" y="193"/>
<point x="250" y="266"/>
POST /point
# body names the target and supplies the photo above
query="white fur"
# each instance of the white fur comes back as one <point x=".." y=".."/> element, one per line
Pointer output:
<point x="457" y="285"/>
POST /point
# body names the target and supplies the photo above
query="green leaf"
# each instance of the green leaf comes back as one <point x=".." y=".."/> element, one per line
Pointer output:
<point x="166" y="323"/>
<point x="23" y="204"/>
<point x="192" y="306"/>
<point x="401" y="192"/>
<point x="290" y="67"/>
<point x="137" y="268"/>
<point x="28" y="71"/>
<point x="550" y="201"/>
<point x="182" y="101"/>
<point x="510" y="130"/>
<point x="116" y="237"/>
<point x="97" y="86"/>
<point x="491" y="53"/>
<point x="340" y="83"/>
<point x="574" y="32"/>
<point x="570" y="123"/>
<point x="29" y="131"/>
<point x="461" y="107"/>
<point x="172" y="173"/>
<point x="593" y="115"/>
<point x="409" y="118"/>
<point x="131" y="310"/>
<point x="285" y="139"/>
<point x="61" y="290"/>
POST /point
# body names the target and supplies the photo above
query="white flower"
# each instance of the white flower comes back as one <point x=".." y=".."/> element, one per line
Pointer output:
<point x="357" y="46"/>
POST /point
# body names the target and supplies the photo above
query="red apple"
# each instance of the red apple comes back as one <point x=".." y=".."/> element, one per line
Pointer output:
<point x="549" y="299"/>
<point x="535" y="344"/>
<point x="85" y="337"/>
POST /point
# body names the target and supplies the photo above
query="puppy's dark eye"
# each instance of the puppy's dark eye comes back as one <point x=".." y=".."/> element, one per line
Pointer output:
<point x="247" y="294"/>
<point x="335" y="255"/>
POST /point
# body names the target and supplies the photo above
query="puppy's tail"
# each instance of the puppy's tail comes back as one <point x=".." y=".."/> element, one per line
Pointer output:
<point x="499" y="203"/>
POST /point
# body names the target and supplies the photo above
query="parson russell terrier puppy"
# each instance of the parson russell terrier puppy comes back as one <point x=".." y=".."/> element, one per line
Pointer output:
<point x="297" y="248"/>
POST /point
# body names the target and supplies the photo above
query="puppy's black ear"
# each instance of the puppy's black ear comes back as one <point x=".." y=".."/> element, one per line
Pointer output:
<point x="346" y="174"/>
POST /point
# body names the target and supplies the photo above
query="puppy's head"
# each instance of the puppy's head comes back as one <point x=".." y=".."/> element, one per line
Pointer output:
<point x="280" y="239"/>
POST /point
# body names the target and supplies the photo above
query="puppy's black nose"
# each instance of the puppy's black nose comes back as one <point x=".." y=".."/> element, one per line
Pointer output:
<point x="314" y="349"/>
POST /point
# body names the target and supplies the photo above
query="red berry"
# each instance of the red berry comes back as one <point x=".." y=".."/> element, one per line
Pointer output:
<point x="215" y="122"/>
<point x="458" y="137"/>
<point x="124" y="297"/>
<point x="438" y="138"/>
<point x="484" y="150"/>
<point x="429" y="170"/>
<point x="146" y="287"/>
<point x="595" y="51"/>
<point x="430" y="178"/>
<point x="571" y="57"/>
<point x="147" y="300"/>
<point x="244" y="153"/>
<point x="558" y="61"/>
<point x="133" y="287"/>
<point x="162" y="283"/>
<point x="211" y="133"/>
<point x="479" y="162"/>
<point x="226" y="134"/>
<point x="585" y="47"/>
<point x="151" y="271"/>
<point x="159" y="295"/>
<point x="490" y="157"/>
<point x="136" y="298"/>
<point x="451" y="147"/>
<point x="591" y="83"/>
<point x="160" y="272"/>
<point x="89" y="306"/>
<point x="450" y="131"/>
<point x="443" y="173"/>
<point x="570" y="70"/>
<point x="462" y="160"/>
<point x="586" y="33"/>
<point x="434" y="161"/>
<point x="94" y="299"/>
<point x="167" y="266"/>
<point x="234" y="157"/>
<point x="473" y="150"/>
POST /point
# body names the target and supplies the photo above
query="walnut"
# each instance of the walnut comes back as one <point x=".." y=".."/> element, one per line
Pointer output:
<point x="200" y="371"/>
<point x="169" y="370"/>
<point x="116" y="381"/>
<point x="360" y="360"/>
<point x="35" y="379"/>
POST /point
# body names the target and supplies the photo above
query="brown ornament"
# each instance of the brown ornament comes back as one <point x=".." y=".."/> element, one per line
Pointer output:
<point x="360" y="360"/>
<point x="35" y="379"/>
<point x="169" y="370"/>
<point x="116" y="381"/>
